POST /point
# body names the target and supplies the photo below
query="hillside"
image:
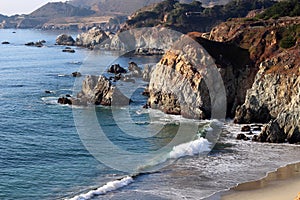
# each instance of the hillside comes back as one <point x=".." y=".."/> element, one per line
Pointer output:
<point x="127" y="7"/>
<point x="192" y="17"/>
<point x="59" y="9"/>
<point x="113" y="7"/>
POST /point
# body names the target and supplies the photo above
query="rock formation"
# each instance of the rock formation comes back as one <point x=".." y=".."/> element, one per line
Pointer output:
<point x="275" y="99"/>
<point x="274" y="96"/>
<point x="65" y="39"/>
<point x="116" y="69"/>
<point x="135" y="70"/>
<point x="182" y="84"/>
<point x="98" y="90"/>
<point x="90" y="39"/>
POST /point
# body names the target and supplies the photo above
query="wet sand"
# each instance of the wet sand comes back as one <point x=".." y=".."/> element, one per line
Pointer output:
<point x="283" y="184"/>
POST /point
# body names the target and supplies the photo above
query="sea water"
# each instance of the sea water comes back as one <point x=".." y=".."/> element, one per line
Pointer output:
<point x="42" y="155"/>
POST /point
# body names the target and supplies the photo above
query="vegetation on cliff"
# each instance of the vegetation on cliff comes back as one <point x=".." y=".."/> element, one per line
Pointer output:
<point x="289" y="8"/>
<point x="192" y="17"/>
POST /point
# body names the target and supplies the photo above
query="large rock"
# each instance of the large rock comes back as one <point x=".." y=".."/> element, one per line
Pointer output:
<point x="65" y="39"/>
<point x="184" y="82"/>
<point x="116" y="69"/>
<point x="98" y="90"/>
<point x="135" y="70"/>
<point x="90" y="39"/>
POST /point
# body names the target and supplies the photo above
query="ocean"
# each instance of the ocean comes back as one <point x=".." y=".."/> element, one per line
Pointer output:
<point x="52" y="151"/>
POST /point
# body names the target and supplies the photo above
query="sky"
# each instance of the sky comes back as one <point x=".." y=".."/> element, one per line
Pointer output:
<point x="12" y="7"/>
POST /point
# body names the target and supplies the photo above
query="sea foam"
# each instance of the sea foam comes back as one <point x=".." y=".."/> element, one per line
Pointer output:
<point x="109" y="187"/>
<point x="192" y="148"/>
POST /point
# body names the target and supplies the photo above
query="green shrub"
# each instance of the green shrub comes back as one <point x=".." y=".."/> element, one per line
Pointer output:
<point x="287" y="42"/>
<point x="284" y="8"/>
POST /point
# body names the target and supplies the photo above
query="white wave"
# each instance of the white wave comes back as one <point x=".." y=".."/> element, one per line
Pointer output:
<point x="109" y="187"/>
<point x="50" y="100"/>
<point x="192" y="148"/>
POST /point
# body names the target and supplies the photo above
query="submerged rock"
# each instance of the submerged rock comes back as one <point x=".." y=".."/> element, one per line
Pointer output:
<point x="35" y="44"/>
<point x="68" y="50"/>
<point x="246" y="129"/>
<point x="242" y="136"/>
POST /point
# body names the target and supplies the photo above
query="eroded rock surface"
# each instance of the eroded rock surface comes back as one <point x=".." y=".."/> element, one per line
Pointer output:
<point x="98" y="90"/>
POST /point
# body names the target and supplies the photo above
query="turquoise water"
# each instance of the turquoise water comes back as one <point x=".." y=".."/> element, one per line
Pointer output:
<point x="43" y="157"/>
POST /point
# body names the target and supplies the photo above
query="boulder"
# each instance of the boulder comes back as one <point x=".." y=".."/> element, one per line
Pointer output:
<point x="246" y="129"/>
<point x="242" y="136"/>
<point x="255" y="138"/>
<point x="64" y="100"/>
<point x="65" y="39"/>
<point x="98" y="90"/>
<point x="116" y="69"/>
<point x="135" y="70"/>
<point x="76" y="74"/>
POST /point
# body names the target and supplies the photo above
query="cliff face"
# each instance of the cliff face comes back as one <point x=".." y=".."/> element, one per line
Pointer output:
<point x="182" y="82"/>
<point x="275" y="99"/>
<point x="259" y="62"/>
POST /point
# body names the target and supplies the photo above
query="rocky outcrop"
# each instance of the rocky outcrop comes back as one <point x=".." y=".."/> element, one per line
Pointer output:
<point x="65" y="39"/>
<point x="64" y="101"/>
<point x="183" y="81"/>
<point x="116" y="69"/>
<point x="135" y="70"/>
<point x="275" y="99"/>
<point x="98" y="90"/>
<point x="36" y="44"/>
<point x="90" y="39"/>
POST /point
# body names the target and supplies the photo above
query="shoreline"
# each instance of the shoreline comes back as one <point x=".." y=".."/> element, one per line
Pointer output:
<point x="282" y="184"/>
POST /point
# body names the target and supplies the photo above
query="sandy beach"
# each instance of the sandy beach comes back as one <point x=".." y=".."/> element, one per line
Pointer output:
<point x="283" y="184"/>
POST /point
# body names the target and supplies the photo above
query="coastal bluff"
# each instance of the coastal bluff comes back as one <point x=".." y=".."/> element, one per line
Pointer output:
<point x="190" y="72"/>
<point x="265" y="89"/>
<point x="274" y="98"/>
